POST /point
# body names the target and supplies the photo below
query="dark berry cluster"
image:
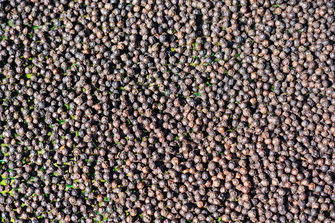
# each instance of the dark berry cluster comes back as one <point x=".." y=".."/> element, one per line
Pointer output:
<point x="167" y="111"/>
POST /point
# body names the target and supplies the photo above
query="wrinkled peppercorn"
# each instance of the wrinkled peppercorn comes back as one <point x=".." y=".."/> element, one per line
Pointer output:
<point x="167" y="111"/>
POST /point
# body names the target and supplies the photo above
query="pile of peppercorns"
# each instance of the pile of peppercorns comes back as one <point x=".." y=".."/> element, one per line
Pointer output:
<point x="167" y="111"/>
